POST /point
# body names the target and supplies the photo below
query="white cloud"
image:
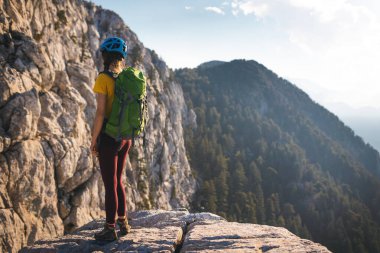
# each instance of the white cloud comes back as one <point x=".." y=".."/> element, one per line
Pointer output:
<point x="215" y="10"/>
<point x="247" y="7"/>
<point x="188" y="8"/>
<point x="259" y="10"/>
<point x="326" y="9"/>
<point x="333" y="10"/>
<point x="235" y="7"/>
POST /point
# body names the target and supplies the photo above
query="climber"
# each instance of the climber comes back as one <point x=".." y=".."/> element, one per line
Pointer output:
<point x="110" y="152"/>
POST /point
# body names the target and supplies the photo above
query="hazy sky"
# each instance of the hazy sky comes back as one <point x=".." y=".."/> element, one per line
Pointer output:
<point x="329" y="48"/>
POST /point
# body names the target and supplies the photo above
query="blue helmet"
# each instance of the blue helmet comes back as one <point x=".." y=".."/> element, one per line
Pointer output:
<point x="114" y="44"/>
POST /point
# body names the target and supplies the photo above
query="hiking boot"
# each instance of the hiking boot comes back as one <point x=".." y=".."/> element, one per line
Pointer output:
<point x="125" y="228"/>
<point x="107" y="234"/>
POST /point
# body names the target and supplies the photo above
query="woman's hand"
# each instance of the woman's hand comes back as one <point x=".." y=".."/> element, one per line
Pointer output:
<point x="94" y="148"/>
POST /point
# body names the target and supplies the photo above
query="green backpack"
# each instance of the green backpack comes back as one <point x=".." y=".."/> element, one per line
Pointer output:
<point x="129" y="108"/>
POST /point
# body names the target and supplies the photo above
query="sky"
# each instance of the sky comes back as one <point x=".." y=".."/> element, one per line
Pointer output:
<point x="328" y="48"/>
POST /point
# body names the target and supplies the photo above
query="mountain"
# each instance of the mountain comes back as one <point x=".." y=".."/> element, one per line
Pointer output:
<point x="49" y="182"/>
<point x="365" y="121"/>
<point x="210" y="64"/>
<point x="264" y="152"/>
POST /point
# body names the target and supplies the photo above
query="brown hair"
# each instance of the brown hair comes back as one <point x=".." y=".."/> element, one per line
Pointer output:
<point x="109" y="58"/>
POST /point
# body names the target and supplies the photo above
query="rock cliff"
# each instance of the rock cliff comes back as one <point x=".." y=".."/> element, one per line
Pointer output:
<point x="49" y="182"/>
<point x="181" y="231"/>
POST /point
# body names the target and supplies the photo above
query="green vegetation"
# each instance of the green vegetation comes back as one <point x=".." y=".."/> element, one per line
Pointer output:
<point x="62" y="20"/>
<point x="38" y="36"/>
<point x="265" y="153"/>
<point x="62" y="17"/>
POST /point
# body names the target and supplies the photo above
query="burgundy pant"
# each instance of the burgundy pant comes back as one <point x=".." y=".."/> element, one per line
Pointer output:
<point x="112" y="155"/>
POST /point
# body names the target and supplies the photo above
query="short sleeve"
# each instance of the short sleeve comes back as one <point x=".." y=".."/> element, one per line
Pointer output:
<point x="100" y="84"/>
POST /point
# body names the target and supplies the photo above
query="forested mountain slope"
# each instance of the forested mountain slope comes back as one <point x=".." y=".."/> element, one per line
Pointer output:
<point x="265" y="152"/>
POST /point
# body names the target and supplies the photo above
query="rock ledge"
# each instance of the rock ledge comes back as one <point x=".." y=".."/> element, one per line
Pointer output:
<point x="181" y="231"/>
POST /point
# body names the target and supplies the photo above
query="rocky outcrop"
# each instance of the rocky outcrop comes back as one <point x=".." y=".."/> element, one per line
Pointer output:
<point x="49" y="182"/>
<point x="181" y="231"/>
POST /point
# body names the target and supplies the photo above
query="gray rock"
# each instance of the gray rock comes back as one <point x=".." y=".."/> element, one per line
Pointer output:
<point x="181" y="231"/>
<point x="31" y="198"/>
<point x="7" y="233"/>
<point x="20" y="116"/>
<point x="50" y="183"/>
<point x="222" y="236"/>
<point x="152" y="231"/>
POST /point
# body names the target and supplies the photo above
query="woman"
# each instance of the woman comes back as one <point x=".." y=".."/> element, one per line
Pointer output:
<point x="111" y="153"/>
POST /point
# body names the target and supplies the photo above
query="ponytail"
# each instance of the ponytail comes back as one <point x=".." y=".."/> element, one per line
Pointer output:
<point x="109" y="58"/>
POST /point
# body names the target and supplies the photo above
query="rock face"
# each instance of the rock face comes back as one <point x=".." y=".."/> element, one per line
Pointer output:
<point x="49" y="182"/>
<point x="181" y="231"/>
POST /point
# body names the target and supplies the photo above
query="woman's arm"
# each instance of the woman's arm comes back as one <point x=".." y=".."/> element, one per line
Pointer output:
<point x="98" y="122"/>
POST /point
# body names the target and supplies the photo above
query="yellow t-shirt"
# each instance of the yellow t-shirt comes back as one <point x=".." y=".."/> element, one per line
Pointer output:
<point x="104" y="84"/>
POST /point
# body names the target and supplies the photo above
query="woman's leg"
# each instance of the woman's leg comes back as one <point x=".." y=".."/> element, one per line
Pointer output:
<point x="122" y="154"/>
<point x="108" y="160"/>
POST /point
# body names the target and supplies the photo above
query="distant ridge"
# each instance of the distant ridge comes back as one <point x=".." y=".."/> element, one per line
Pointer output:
<point x="210" y="64"/>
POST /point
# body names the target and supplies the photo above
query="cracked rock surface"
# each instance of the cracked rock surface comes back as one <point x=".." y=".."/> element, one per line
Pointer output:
<point x="181" y="231"/>
<point x="222" y="236"/>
